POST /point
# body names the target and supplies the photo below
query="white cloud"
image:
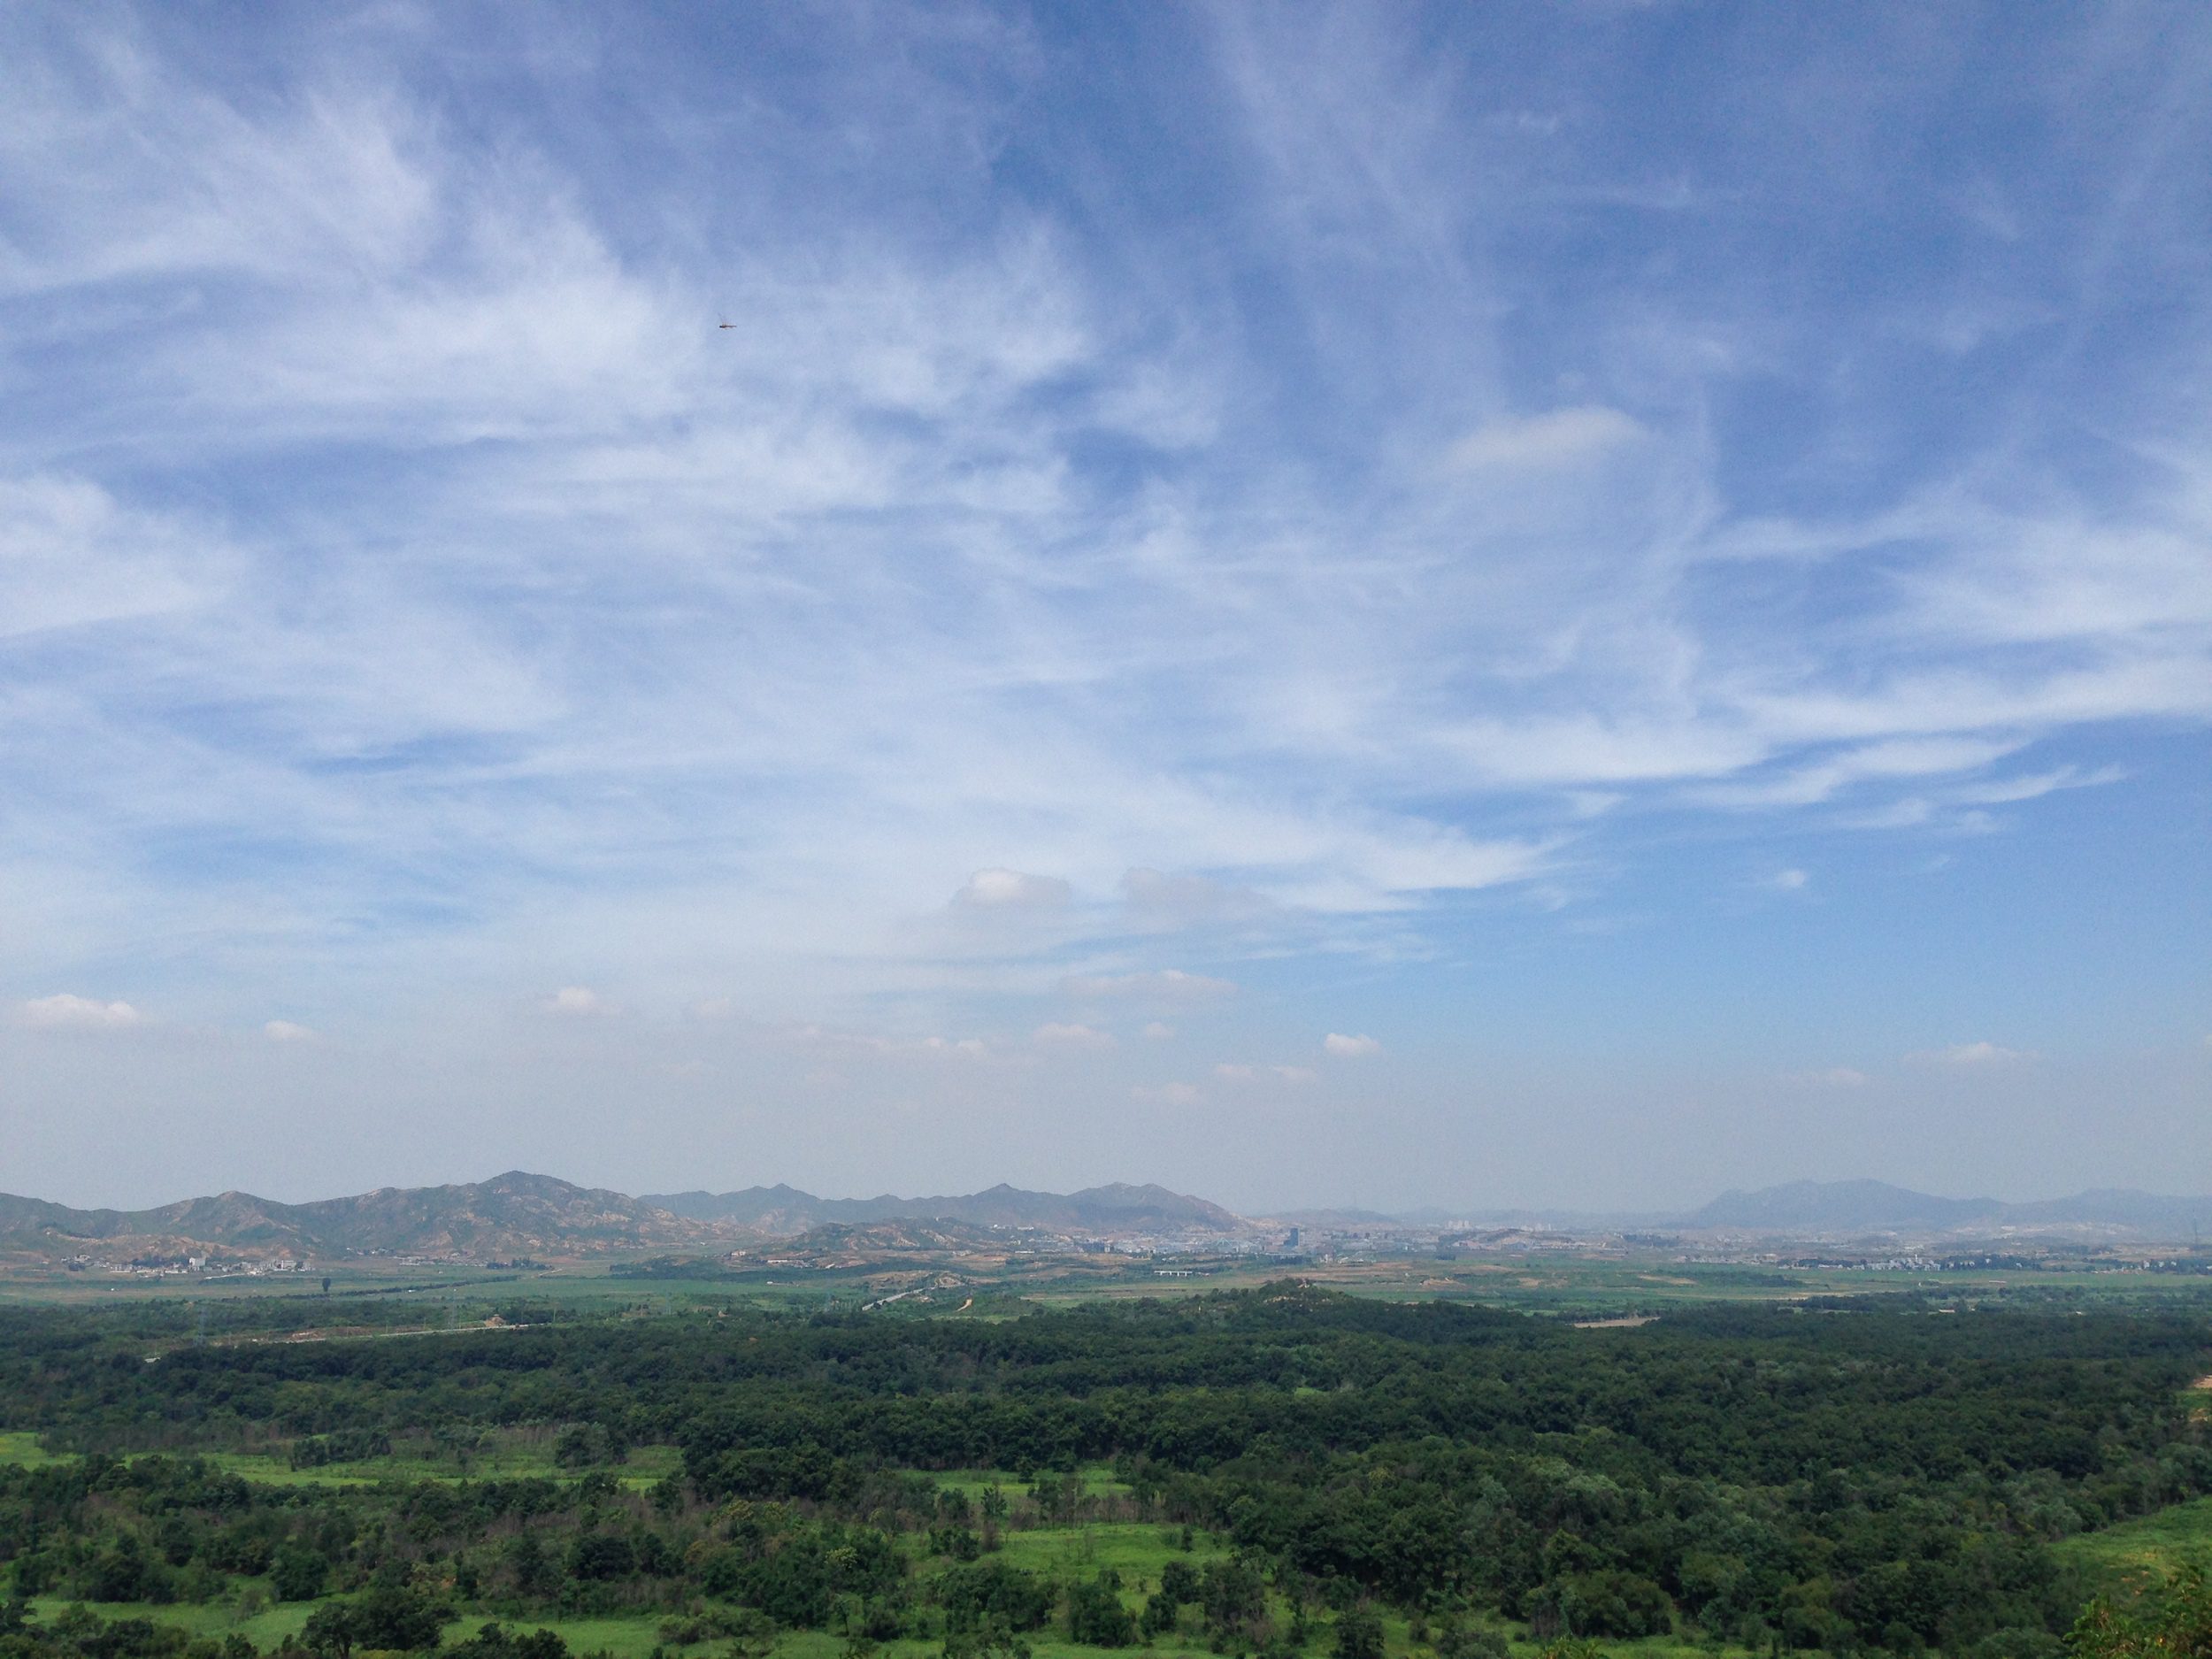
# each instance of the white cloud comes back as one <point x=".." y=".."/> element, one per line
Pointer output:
<point x="1229" y="1073"/>
<point x="284" y="1031"/>
<point x="1786" y="880"/>
<point x="1165" y="985"/>
<point x="1070" y="1036"/>
<point x="2033" y="785"/>
<point x="1343" y="1047"/>
<point x="1561" y="437"/>
<point x="594" y="634"/>
<point x="1011" y="890"/>
<point x="64" y="1012"/>
<point x="72" y="557"/>
<point x="1972" y="1054"/>
<point x="1903" y="757"/>
<point x="577" y="1001"/>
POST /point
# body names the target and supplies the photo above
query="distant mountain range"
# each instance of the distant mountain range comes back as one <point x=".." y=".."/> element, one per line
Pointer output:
<point x="1120" y="1208"/>
<point x="515" y="1214"/>
<point x="537" y="1216"/>
<point x="1830" y="1207"/>
<point x="518" y="1215"/>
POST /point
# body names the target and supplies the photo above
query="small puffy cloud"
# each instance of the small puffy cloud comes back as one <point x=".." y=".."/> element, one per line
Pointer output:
<point x="1972" y="1053"/>
<point x="285" y="1031"/>
<point x="1160" y="1031"/>
<point x="1168" y="1093"/>
<point x="1786" y="882"/>
<point x="576" y="1002"/>
<point x="1343" y="1047"/>
<point x="1832" y="1077"/>
<point x="1011" y="890"/>
<point x="1236" y="1073"/>
<point x="1057" y="1035"/>
<point x="1167" y="985"/>
<point x="62" y="1011"/>
<point x="1558" y="438"/>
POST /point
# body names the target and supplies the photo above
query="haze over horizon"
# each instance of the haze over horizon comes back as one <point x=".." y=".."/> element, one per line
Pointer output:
<point x="1572" y="607"/>
<point x="1842" y="1201"/>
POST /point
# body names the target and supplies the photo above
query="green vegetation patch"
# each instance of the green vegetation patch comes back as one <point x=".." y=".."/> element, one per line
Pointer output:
<point x="1281" y="1471"/>
<point x="2156" y="1542"/>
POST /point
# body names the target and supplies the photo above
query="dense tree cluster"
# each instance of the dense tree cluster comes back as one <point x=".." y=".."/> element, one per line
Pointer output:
<point x="1879" y="1477"/>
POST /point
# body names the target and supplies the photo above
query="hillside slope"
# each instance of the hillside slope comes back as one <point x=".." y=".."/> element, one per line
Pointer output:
<point x="514" y="1214"/>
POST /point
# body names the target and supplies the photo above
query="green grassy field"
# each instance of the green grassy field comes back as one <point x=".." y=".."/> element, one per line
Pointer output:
<point x="2155" y="1541"/>
<point x="268" y="1628"/>
<point x="509" y="1459"/>
<point x="1137" y="1550"/>
<point x="645" y="1465"/>
<point x="1098" y="1481"/>
<point x="21" y="1447"/>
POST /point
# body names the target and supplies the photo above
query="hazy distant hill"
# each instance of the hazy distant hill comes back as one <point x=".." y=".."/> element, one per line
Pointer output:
<point x="2154" y="1215"/>
<point x="1838" y="1204"/>
<point x="1838" y="1207"/>
<point x="785" y="1210"/>
<point x="520" y="1213"/>
<point x="513" y="1214"/>
<point x="897" y="1238"/>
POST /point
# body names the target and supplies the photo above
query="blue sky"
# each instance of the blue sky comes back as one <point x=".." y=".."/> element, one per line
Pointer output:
<point x="1571" y="605"/>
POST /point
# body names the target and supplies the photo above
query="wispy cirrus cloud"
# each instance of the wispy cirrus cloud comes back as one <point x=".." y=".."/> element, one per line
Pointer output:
<point x="405" y="584"/>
